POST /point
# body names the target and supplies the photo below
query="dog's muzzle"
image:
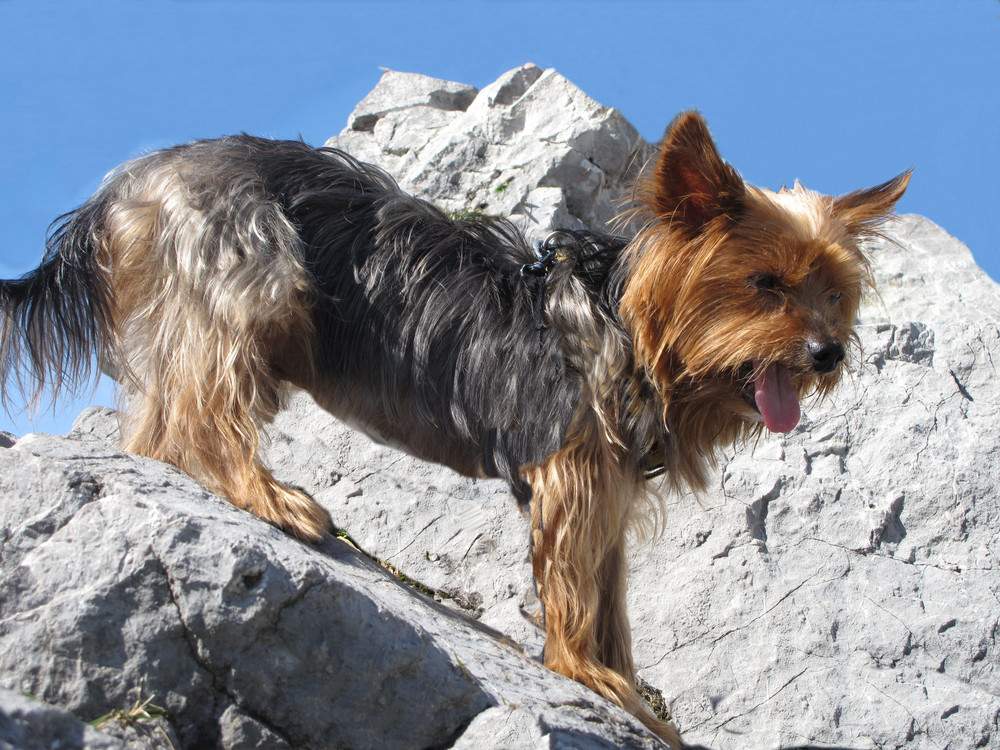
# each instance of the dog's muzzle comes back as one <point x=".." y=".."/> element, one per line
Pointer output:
<point x="824" y="355"/>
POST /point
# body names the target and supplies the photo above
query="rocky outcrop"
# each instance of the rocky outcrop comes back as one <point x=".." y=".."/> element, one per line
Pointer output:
<point x="837" y="587"/>
<point x="530" y="146"/>
<point x="122" y="577"/>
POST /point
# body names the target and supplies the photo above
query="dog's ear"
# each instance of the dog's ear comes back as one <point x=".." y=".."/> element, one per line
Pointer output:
<point x="692" y="184"/>
<point x="863" y="209"/>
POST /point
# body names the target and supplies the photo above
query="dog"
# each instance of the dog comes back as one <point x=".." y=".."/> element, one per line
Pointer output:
<point x="210" y="276"/>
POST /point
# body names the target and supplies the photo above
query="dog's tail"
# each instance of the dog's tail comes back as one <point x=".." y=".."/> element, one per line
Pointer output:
<point x="56" y="321"/>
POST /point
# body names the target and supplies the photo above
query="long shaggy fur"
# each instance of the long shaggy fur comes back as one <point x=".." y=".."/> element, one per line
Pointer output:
<point x="209" y="276"/>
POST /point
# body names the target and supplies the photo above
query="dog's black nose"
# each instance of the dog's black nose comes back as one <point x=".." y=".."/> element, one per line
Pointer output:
<point x="824" y="355"/>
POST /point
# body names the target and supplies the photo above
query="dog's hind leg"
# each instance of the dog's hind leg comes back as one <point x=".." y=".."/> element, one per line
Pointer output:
<point x="201" y="318"/>
<point x="202" y="409"/>
<point x="205" y="416"/>
<point x="580" y="510"/>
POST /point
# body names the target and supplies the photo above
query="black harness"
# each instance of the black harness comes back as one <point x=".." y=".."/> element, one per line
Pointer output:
<point x="592" y="256"/>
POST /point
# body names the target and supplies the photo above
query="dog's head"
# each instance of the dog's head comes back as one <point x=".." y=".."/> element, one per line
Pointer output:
<point x="739" y="300"/>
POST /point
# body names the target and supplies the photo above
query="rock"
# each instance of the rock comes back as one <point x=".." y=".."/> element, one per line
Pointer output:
<point x="29" y="723"/>
<point x="531" y="146"/>
<point x="400" y="91"/>
<point x="841" y="582"/>
<point x="121" y="577"/>
<point x="924" y="274"/>
<point x="835" y="575"/>
<point x="836" y="587"/>
<point x="6" y="439"/>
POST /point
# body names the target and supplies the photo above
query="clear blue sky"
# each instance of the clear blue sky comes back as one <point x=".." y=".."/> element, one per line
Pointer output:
<point x="838" y="94"/>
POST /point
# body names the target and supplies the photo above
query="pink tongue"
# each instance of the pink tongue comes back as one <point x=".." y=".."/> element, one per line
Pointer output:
<point x="776" y="398"/>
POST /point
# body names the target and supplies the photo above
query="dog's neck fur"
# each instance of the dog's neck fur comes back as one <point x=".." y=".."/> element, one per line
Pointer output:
<point x="586" y="283"/>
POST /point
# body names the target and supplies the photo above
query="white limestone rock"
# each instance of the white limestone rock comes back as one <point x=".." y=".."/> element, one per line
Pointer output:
<point x="398" y="91"/>
<point x="924" y="274"/>
<point x="530" y="130"/>
<point x="120" y="577"/>
<point x="839" y="583"/>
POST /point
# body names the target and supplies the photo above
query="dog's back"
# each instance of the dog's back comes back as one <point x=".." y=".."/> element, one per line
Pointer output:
<point x="423" y="322"/>
<point x="204" y="275"/>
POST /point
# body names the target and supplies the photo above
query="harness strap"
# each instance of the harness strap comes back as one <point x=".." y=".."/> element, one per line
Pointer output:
<point x="557" y="247"/>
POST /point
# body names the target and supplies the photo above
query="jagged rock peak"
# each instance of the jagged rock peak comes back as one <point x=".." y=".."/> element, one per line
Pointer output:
<point x="530" y="146"/>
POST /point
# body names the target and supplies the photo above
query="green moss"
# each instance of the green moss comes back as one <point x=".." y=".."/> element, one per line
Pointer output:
<point x="469" y="214"/>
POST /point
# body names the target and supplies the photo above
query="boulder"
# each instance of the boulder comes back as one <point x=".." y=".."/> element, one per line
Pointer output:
<point x="531" y="147"/>
<point x="121" y="578"/>
<point x="26" y="722"/>
<point x="398" y="92"/>
<point x="837" y="585"/>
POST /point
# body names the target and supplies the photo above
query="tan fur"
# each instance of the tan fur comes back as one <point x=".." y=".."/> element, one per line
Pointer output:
<point x="582" y="502"/>
<point x="203" y="407"/>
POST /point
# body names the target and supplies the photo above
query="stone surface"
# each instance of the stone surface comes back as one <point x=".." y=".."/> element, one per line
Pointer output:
<point x="924" y="274"/>
<point x="837" y="586"/>
<point x="29" y="723"/>
<point x="120" y="578"/>
<point x="839" y="583"/>
<point x="530" y="146"/>
<point x="404" y="91"/>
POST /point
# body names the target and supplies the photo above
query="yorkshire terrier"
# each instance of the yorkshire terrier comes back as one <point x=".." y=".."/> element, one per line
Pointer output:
<point x="209" y="276"/>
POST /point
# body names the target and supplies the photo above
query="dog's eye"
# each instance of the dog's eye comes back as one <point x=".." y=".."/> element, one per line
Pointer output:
<point x="765" y="282"/>
<point x="835" y="297"/>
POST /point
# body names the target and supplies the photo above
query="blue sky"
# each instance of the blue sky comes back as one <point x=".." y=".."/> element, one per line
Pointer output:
<point x="838" y="94"/>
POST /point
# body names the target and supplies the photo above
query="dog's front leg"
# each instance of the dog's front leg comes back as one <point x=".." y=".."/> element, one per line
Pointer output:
<point x="580" y="506"/>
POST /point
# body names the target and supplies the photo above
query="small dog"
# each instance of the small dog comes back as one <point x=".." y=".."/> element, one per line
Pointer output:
<point x="209" y="276"/>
